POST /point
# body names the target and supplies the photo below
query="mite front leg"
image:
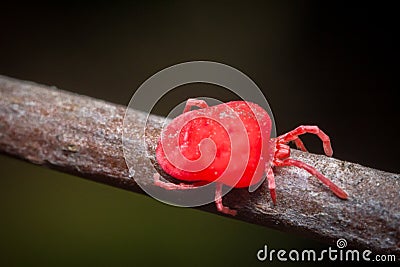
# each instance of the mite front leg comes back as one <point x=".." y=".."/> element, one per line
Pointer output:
<point x="193" y="102"/>
<point x="334" y="188"/>
<point x="299" y="144"/>
<point x="294" y="135"/>
<point x="218" y="201"/>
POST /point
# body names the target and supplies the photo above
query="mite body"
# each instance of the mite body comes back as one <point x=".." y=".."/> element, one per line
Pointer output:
<point x="230" y="144"/>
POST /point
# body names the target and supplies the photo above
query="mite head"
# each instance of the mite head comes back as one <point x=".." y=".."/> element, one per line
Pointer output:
<point x="282" y="150"/>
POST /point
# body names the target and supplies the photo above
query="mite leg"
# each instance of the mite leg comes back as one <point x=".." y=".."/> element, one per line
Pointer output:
<point x="293" y="136"/>
<point x="193" y="102"/>
<point x="271" y="183"/>
<point x="182" y="186"/>
<point x="334" y="188"/>
<point x="170" y="186"/>
<point x="299" y="144"/>
<point x="218" y="201"/>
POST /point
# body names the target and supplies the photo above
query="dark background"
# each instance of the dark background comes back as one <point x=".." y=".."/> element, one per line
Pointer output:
<point x="331" y="65"/>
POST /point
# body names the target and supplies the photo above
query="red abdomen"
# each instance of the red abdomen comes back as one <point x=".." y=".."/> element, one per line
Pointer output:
<point x="229" y="142"/>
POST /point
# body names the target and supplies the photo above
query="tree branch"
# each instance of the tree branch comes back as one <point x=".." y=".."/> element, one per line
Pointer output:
<point x="82" y="136"/>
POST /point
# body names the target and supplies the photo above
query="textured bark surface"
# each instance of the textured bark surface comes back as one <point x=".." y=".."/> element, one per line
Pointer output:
<point x="82" y="136"/>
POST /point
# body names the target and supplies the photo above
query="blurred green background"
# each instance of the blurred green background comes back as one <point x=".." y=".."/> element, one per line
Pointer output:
<point x="326" y="64"/>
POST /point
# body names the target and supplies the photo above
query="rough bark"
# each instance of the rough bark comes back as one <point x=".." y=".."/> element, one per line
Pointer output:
<point x="82" y="136"/>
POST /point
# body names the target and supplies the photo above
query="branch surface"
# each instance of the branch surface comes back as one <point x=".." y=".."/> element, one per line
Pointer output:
<point x="81" y="135"/>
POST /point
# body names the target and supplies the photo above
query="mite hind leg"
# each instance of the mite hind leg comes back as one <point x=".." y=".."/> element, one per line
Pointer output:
<point x="193" y="102"/>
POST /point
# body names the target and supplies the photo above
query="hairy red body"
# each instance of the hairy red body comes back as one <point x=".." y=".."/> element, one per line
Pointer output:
<point x="230" y="144"/>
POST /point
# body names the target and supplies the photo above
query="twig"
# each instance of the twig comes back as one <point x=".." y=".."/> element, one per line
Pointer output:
<point x="81" y="135"/>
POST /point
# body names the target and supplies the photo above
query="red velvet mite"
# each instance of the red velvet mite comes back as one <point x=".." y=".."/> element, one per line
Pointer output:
<point x="184" y="135"/>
